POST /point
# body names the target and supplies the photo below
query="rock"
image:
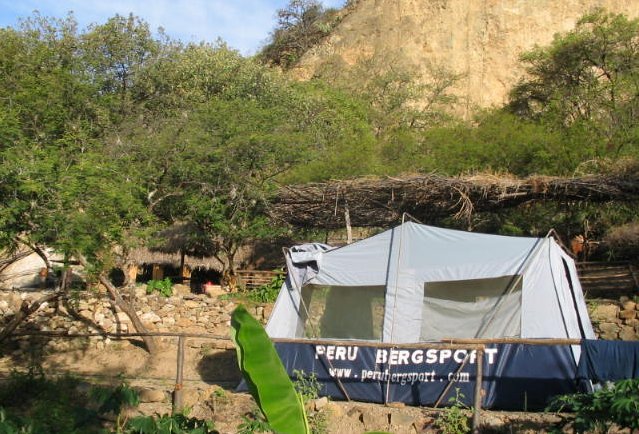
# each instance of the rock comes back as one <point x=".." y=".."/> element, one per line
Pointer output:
<point x="375" y="420"/>
<point x="623" y="299"/>
<point x="151" y="317"/>
<point x="629" y="305"/>
<point x="168" y="322"/>
<point x="634" y="322"/>
<point x="180" y="289"/>
<point x="122" y="317"/>
<point x="268" y="310"/>
<point x="355" y="413"/>
<point x="399" y="418"/>
<point x="628" y="334"/>
<point x="628" y="314"/>
<point x="152" y="395"/>
<point x="605" y="312"/>
<point x="609" y="330"/>
<point x="320" y="403"/>
<point x="336" y="410"/>
<point x="183" y="322"/>
<point x="213" y="291"/>
<point x="192" y="304"/>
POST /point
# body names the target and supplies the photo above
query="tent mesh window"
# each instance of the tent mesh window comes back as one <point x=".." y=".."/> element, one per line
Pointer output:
<point x="476" y="308"/>
<point x="344" y="312"/>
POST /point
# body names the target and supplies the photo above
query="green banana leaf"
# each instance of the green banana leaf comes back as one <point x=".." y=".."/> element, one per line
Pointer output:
<point x="265" y="375"/>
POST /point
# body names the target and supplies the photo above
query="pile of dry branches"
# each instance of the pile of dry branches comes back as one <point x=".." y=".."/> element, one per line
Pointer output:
<point x="382" y="201"/>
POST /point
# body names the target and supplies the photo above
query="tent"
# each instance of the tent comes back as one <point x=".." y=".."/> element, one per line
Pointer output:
<point x="417" y="284"/>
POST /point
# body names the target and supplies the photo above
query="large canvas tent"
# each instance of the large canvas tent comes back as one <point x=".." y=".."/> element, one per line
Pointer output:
<point x="422" y="284"/>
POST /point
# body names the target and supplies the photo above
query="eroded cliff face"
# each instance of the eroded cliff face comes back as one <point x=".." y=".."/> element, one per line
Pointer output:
<point x="479" y="39"/>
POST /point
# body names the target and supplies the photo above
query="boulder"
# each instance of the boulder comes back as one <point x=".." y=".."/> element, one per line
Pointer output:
<point x="627" y="314"/>
<point x="605" y="312"/>
<point x="628" y="334"/>
<point x="152" y="395"/>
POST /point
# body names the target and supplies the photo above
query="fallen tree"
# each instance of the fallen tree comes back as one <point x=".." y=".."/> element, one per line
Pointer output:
<point x="370" y="202"/>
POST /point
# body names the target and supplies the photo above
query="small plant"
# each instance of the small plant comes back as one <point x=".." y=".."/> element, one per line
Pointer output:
<point x="255" y="422"/>
<point x="453" y="420"/>
<point x="178" y="423"/>
<point x="309" y="388"/>
<point x="267" y="293"/>
<point x="164" y="287"/>
<point x="114" y="400"/>
<point x="597" y="412"/>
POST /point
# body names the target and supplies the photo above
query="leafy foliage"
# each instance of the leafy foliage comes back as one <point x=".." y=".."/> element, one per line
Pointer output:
<point x="265" y="375"/>
<point x="164" y="287"/>
<point x="267" y="293"/>
<point x="453" y="420"/>
<point x="169" y="424"/>
<point x="32" y="403"/>
<point x="584" y="84"/>
<point x="617" y="403"/>
<point x="300" y="26"/>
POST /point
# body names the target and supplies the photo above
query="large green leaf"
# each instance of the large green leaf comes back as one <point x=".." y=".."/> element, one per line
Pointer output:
<point x="265" y="375"/>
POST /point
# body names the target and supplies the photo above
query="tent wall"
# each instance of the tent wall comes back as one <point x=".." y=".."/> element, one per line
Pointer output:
<point x="407" y="259"/>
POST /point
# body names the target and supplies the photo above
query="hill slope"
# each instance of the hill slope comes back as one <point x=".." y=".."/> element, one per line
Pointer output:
<point x="479" y="39"/>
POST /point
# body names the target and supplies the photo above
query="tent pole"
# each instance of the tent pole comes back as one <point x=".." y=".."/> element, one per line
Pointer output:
<point x="392" y="327"/>
<point x="298" y="288"/>
<point x="450" y="382"/>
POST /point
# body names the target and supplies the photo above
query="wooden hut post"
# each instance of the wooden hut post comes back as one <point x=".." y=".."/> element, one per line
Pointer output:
<point x="179" y="375"/>
<point x="158" y="272"/>
<point x="131" y="274"/>
<point x="479" y="378"/>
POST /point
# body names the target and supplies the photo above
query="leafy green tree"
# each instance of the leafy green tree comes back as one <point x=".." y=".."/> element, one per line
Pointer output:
<point x="58" y="190"/>
<point x="115" y="53"/>
<point x="300" y="26"/>
<point x="585" y="84"/>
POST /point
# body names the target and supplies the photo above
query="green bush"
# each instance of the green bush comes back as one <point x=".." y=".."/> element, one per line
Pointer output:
<point x="164" y="287"/>
<point x="454" y="420"/>
<point x="31" y="403"/>
<point x="616" y="403"/>
<point x="267" y="293"/>
<point x="169" y="424"/>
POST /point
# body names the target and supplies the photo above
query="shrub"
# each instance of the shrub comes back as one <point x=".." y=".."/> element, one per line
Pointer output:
<point x="616" y="403"/>
<point x="267" y="293"/>
<point x="164" y="287"/>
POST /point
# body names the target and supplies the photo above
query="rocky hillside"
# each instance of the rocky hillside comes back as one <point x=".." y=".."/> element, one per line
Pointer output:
<point x="479" y="39"/>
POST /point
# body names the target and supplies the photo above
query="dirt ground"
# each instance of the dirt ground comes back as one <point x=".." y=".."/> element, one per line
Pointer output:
<point x="209" y="380"/>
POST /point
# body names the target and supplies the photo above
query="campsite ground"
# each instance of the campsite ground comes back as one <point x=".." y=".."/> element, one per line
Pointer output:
<point x="210" y="375"/>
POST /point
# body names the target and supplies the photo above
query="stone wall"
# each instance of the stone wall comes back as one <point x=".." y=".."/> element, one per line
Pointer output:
<point x="200" y="313"/>
<point x="615" y="319"/>
<point x="94" y="312"/>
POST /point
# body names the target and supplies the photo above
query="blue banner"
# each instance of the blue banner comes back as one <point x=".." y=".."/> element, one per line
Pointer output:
<point x="515" y="376"/>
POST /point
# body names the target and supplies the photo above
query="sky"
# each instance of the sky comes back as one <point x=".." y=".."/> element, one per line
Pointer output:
<point x="243" y="24"/>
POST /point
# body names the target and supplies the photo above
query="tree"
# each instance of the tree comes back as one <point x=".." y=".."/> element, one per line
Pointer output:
<point x="300" y="25"/>
<point x="586" y="84"/>
<point x="57" y="188"/>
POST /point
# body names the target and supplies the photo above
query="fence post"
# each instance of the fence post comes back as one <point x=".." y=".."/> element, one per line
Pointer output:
<point x="177" y="392"/>
<point x="478" y="383"/>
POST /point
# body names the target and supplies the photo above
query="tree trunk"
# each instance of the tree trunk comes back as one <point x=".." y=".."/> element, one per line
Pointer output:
<point x="125" y="307"/>
<point x="25" y="311"/>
